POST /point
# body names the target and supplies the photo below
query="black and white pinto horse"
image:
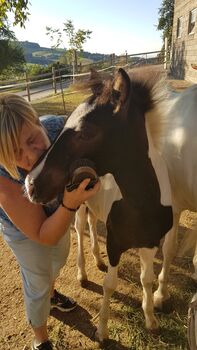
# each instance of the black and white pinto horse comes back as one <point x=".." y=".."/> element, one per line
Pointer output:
<point x="118" y="129"/>
<point x="177" y="143"/>
<point x="178" y="147"/>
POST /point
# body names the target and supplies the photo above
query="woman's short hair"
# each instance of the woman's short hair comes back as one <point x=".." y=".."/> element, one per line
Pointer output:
<point x="14" y="111"/>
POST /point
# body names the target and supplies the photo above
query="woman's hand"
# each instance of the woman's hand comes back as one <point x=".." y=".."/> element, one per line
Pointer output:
<point x="76" y="197"/>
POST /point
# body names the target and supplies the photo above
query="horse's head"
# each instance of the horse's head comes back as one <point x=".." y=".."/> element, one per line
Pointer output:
<point x="96" y="130"/>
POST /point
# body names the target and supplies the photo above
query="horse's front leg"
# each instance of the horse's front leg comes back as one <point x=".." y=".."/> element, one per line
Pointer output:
<point x="109" y="286"/>
<point x="147" y="275"/>
<point x="169" y="250"/>
<point x="92" y="221"/>
<point x="80" y="222"/>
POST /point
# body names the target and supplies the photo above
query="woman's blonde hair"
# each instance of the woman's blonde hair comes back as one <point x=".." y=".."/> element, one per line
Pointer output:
<point x="14" y="111"/>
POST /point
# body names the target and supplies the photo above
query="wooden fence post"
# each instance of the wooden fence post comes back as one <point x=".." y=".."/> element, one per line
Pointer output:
<point x="61" y="87"/>
<point x="126" y="57"/>
<point x="54" y="80"/>
<point x="73" y="65"/>
<point x="27" y="86"/>
<point x="165" y="53"/>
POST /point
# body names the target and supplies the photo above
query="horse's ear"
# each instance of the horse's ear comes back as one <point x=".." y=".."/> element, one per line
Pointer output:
<point x="121" y="89"/>
<point x="95" y="82"/>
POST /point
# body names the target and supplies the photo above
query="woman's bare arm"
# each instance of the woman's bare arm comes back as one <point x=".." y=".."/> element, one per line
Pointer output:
<point x="30" y="218"/>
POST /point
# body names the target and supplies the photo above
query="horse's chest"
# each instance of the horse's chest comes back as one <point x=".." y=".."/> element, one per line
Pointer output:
<point x="139" y="227"/>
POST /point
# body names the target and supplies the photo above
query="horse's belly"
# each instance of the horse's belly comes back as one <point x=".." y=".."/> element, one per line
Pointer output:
<point x="181" y="162"/>
<point x="138" y="227"/>
<point x="180" y="148"/>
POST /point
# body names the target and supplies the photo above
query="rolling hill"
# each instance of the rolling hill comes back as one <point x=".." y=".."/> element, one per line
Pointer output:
<point x="34" y="53"/>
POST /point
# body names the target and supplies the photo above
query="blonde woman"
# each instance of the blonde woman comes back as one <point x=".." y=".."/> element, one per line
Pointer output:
<point x="40" y="238"/>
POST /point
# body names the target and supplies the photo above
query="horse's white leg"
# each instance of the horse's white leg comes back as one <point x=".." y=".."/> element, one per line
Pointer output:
<point x="147" y="276"/>
<point x="109" y="285"/>
<point x="169" y="251"/>
<point x="92" y="220"/>
<point x="80" y="222"/>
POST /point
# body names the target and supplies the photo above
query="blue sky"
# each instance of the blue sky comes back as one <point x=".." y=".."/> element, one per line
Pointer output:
<point x="116" y="26"/>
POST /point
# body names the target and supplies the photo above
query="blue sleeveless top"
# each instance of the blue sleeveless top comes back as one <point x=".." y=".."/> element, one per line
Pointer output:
<point x="53" y="126"/>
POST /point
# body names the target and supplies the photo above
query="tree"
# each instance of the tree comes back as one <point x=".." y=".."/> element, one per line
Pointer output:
<point x="12" y="56"/>
<point x="18" y="7"/>
<point x="165" y="20"/>
<point x="76" y="39"/>
<point x="11" y="53"/>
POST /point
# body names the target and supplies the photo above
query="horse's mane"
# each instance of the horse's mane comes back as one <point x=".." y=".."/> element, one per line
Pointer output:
<point x="154" y="80"/>
<point x="150" y="89"/>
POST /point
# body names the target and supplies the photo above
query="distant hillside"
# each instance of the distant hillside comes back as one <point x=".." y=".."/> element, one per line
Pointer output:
<point x="34" y="53"/>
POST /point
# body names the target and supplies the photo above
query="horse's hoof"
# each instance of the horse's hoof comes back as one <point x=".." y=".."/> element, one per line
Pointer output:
<point x="155" y="332"/>
<point x="102" y="267"/>
<point x="160" y="300"/>
<point x="101" y="340"/>
<point x="153" y="326"/>
<point x="194" y="277"/>
<point x="166" y="307"/>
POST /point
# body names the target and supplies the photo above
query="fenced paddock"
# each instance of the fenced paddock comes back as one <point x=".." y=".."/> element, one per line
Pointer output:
<point x="32" y="87"/>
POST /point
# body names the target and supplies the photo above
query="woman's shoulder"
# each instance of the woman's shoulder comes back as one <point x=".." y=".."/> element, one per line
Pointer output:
<point x="53" y="120"/>
<point x="4" y="173"/>
<point x="53" y="124"/>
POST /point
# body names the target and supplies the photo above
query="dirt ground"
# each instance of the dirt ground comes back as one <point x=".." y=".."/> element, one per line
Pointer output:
<point x="74" y="330"/>
<point x="178" y="85"/>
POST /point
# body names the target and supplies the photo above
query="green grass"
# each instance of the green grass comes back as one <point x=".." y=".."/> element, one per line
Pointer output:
<point x="54" y="104"/>
<point x="127" y="325"/>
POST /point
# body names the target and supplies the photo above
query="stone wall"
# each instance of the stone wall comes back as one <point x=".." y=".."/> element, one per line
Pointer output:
<point x="184" y="48"/>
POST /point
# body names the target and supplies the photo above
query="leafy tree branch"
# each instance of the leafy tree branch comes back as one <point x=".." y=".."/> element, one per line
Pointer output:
<point x="165" y="20"/>
<point x="76" y="40"/>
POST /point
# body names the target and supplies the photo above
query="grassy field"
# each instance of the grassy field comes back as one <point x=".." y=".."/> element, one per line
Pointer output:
<point x="54" y="104"/>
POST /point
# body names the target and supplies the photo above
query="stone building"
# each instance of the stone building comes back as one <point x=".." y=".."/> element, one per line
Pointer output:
<point x="184" y="40"/>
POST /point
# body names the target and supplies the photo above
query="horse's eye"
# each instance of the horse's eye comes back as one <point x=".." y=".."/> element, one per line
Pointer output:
<point x="87" y="133"/>
<point x="84" y="135"/>
<point x="115" y="95"/>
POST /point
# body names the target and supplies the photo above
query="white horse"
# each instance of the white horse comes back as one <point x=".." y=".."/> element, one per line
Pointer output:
<point x="179" y="148"/>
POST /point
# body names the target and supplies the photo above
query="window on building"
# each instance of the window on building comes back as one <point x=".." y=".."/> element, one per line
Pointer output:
<point x="179" y="27"/>
<point x="192" y="20"/>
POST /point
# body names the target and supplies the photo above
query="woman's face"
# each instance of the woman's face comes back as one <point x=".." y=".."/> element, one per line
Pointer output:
<point x="33" y="142"/>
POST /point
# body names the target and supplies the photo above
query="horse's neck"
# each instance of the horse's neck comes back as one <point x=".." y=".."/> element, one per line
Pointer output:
<point x="138" y="180"/>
